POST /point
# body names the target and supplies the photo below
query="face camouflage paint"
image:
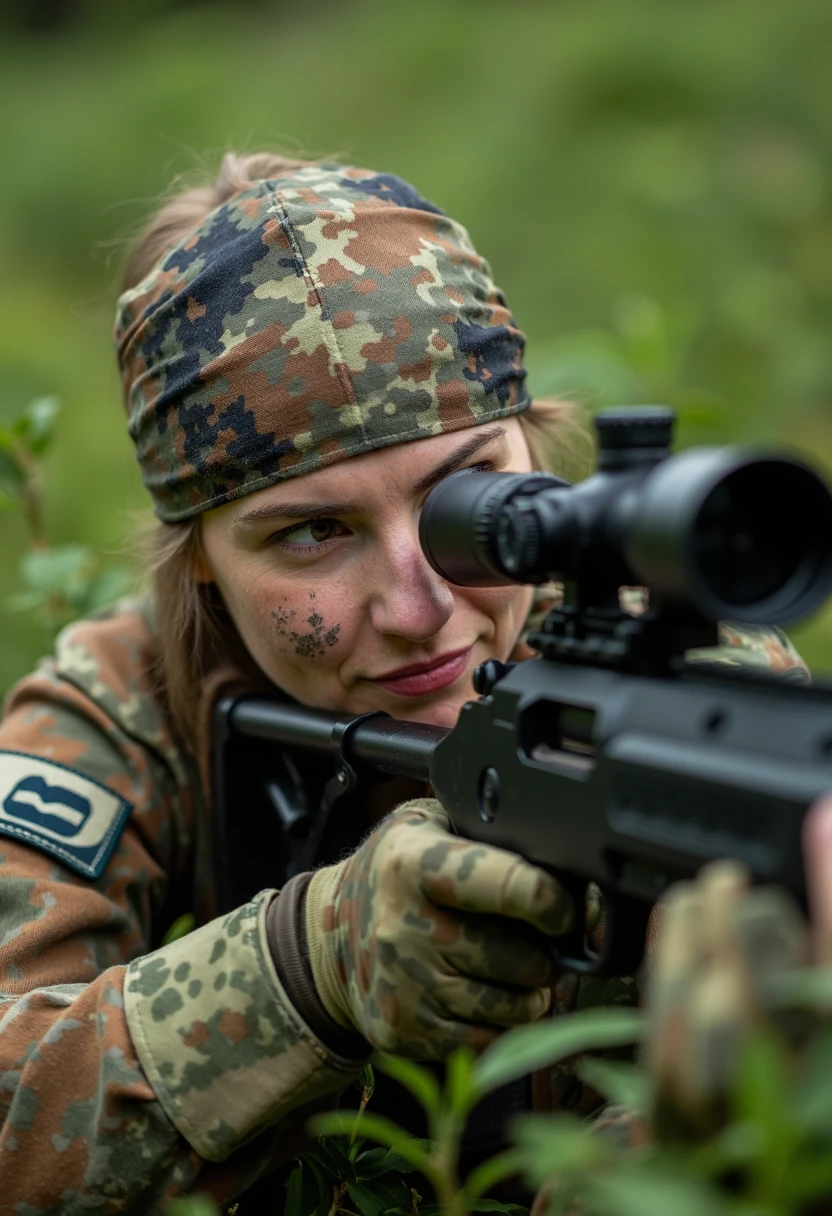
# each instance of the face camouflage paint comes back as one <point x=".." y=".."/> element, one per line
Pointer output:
<point x="316" y="316"/>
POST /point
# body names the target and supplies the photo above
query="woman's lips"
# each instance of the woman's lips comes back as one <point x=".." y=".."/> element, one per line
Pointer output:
<point x="443" y="673"/>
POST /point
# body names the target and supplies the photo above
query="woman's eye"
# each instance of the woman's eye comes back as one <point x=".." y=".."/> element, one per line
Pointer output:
<point x="310" y="534"/>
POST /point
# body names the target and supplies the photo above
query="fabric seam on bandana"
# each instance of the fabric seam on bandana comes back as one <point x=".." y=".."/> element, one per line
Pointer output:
<point x="330" y="337"/>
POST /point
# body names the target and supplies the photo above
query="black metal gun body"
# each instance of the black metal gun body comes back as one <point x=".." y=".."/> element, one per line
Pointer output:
<point x="630" y="782"/>
<point x="609" y="759"/>
<point x="634" y="782"/>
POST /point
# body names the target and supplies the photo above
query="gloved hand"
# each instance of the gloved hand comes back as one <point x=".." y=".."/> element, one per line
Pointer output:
<point x="422" y="940"/>
<point x="720" y="950"/>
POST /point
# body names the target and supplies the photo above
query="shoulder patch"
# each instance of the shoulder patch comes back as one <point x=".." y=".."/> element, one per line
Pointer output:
<point x="62" y="812"/>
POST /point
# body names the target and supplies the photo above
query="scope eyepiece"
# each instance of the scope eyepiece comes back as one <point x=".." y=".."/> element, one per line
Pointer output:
<point x="459" y="528"/>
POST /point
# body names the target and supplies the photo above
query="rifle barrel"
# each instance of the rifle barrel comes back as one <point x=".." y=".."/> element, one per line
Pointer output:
<point x="401" y="748"/>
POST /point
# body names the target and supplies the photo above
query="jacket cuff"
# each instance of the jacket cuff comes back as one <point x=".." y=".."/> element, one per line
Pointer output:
<point x="219" y="1040"/>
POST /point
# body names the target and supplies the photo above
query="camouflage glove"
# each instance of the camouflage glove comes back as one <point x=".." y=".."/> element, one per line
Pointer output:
<point x="422" y="940"/>
<point x="720" y="950"/>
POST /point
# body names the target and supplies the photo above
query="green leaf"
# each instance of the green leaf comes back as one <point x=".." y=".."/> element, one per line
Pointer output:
<point x="420" y="1082"/>
<point x="736" y="1147"/>
<point x="761" y="1093"/>
<point x="294" y="1190"/>
<point x="307" y="1193"/>
<point x="807" y="987"/>
<point x="370" y="1163"/>
<point x="527" y="1048"/>
<point x="548" y="1144"/>
<point x="317" y="1188"/>
<point x="39" y="423"/>
<point x="332" y="1154"/>
<point x="460" y="1085"/>
<point x="622" y="1084"/>
<point x="813" y="1095"/>
<point x="486" y="1175"/>
<point x="491" y="1205"/>
<point x="811" y="1179"/>
<point x="651" y="1192"/>
<point x="366" y="1083"/>
<point x="12" y="475"/>
<point x="762" y="1096"/>
<point x="378" y="1161"/>
<point x="374" y="1127"/>
<point x="26" y="601"/>
<point x="192" y="1205"/>
<point x="109" y="584"/>
<point x="181" y="927"/>
<point x="380" y="1197"/>
<point x="62" y="569"/>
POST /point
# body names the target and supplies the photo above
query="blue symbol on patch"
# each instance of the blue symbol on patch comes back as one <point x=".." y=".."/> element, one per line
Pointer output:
<point x="61" y="811"/>
<point x="31" y="797"/>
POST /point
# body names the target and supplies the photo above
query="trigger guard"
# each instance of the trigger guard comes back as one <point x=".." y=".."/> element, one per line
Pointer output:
<point x="624" y="921"/>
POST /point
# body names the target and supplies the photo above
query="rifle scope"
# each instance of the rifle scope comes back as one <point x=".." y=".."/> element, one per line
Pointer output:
<point x="729" y="532"/>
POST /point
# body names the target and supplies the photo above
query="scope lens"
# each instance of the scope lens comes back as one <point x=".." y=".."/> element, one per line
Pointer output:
<point x="763" y="536"/>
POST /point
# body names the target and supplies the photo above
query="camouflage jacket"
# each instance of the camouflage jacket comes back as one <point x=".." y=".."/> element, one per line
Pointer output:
<point x="131" y="1071"/>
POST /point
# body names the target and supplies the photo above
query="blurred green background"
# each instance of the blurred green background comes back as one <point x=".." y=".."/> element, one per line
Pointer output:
<point x="650" y="180"/>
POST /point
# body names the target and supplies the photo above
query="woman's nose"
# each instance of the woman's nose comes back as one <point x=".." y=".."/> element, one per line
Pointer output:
<point x="408" y="598"/>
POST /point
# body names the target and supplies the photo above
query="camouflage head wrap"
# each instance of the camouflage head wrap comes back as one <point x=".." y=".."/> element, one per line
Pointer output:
<point x="316" y="316"/>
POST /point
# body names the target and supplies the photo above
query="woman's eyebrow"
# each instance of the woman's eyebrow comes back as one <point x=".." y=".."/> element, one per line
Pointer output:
<point x="293" y="510"/>
<point x="457" y="459"/>
<point x="317" y="510"/>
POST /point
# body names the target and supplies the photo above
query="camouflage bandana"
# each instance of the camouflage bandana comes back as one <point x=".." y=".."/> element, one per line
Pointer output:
<point x="323" y="314"/>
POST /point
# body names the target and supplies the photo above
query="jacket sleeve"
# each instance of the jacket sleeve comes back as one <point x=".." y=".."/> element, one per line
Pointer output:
<point x="129" y="1075"/>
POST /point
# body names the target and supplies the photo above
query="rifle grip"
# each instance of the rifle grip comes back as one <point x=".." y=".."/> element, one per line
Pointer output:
<point x="623" y="933"/>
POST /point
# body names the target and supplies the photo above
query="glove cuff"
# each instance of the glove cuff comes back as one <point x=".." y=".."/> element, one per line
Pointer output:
<point x="288" y="943"/>
<point x="323" y="946"/>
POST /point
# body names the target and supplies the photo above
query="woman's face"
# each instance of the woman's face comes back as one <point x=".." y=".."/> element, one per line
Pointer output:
<point x="326" y="582"/>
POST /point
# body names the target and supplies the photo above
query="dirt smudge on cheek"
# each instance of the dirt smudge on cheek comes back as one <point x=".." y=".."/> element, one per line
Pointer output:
<point x="311" y="642"/>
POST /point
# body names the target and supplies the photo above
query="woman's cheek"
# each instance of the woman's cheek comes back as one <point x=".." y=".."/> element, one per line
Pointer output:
<point x="507" y="608"/>
<point x="306" y="628"/>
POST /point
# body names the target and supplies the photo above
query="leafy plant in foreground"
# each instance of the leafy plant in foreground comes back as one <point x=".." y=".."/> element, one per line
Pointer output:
<point x="773" y="1157"/>
<point x="58" y="582"/>
<point x="467" y="1081"/>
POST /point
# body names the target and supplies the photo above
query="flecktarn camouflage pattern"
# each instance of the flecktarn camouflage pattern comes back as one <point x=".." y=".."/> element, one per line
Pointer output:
<point x="89" y="1000"/>
<point x="325" y="313"/>
<point x="221" y="1044"/>
<point x="83" y="1126"/>
<point x="396" y="955"/>
<point x="722" y="949"/>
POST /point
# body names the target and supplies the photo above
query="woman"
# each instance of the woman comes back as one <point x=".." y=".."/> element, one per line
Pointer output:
<point x="305" y="351"/>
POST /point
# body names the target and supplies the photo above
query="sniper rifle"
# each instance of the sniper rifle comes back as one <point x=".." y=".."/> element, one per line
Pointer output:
<point x="610" y="760"/>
